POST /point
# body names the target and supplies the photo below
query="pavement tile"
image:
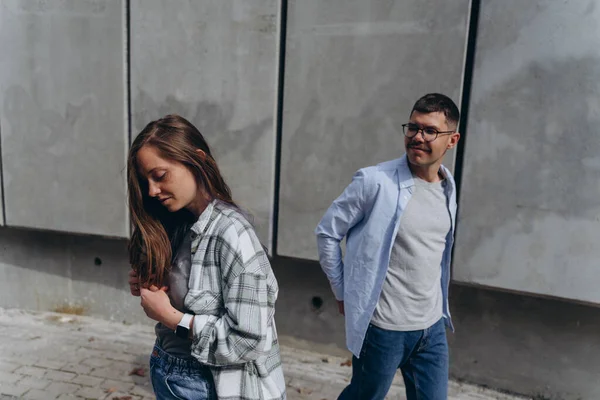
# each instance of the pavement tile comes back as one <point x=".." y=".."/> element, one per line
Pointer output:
<point x="81" y="357"/>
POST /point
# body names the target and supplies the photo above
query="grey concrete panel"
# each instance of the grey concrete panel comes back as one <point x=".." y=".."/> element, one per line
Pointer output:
<point x="62" y="105"/>
<point x="530" y="203"/>
<point x="541" y="348"/>
<point x="353" y="72"/>
<point x="46" y="271"/>
<point x="215" y="63"/>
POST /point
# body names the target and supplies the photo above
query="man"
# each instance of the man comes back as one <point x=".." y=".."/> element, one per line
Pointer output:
<point x="398" y="219"/>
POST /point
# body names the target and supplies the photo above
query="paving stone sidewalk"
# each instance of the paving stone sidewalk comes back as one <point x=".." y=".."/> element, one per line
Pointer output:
<point x="47" y="356"/>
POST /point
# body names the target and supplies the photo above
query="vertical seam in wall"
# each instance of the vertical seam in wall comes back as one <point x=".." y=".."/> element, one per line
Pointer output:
<point x="466" y="94"/>
<point x="3" y="189"/>
<point x="128" y="67"/>
<point x="128" y="96"/>
<point x="465" y="52"/>
<point x="466" y="89"/>
<point x="279" y="124"/>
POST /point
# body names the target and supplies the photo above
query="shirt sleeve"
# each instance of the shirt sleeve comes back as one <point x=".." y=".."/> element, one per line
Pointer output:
<point x="344" y="213"/>
<point x="242" y="333"/>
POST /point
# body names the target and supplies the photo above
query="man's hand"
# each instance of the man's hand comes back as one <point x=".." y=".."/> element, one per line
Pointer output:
<point x="341" y="307"/>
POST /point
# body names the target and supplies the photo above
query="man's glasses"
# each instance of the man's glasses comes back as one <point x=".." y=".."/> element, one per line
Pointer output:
<point x="429" y="134"/>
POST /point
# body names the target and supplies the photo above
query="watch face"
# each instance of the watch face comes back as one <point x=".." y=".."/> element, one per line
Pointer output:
<point x="182" y="332"/>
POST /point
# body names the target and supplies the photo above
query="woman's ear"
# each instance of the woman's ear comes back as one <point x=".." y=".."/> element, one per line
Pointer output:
<point x="201" y="152"/>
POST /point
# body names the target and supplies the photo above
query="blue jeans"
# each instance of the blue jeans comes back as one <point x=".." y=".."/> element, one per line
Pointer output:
<point x="176" y="379"/>
<point x="422" y="356"/>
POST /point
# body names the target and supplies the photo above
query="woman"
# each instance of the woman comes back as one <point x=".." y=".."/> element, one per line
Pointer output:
<point x="201" y="272"/>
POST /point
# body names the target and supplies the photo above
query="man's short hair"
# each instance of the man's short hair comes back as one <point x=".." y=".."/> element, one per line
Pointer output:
<point x="436" y="102"/>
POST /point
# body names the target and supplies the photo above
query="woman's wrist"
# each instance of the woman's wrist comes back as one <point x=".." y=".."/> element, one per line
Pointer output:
<point x="172" y="318"/>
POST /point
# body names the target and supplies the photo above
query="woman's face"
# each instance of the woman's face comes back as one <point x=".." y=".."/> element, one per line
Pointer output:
<point x="169" y="182"/>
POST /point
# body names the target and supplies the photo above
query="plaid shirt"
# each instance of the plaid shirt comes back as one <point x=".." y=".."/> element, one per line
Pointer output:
<point x="232" y="292"/>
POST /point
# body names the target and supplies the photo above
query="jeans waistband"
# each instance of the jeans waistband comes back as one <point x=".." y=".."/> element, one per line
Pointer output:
<point x="189" y="366"/>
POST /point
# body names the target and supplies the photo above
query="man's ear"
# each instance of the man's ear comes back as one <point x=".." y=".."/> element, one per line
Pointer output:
<point x="454" y="138"/>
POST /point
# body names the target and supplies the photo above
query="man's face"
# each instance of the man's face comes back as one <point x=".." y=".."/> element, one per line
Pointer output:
<point x="420" y="150"/>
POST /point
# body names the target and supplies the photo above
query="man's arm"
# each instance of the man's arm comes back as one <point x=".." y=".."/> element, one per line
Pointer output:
<point x="345" y="212"/>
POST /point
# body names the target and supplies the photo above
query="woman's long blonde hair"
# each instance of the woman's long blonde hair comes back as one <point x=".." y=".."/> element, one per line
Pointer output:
<point x="157" y="232"/>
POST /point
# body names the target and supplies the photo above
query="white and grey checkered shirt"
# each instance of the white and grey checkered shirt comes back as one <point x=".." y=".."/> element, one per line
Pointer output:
<point x="232" y="292"/>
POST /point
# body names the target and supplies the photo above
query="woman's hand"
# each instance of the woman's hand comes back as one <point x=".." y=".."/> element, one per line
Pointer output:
<point x="157" y="306"/>
<point x="134" y="283"/>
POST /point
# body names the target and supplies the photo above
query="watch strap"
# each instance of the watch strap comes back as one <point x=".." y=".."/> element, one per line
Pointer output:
<point x="183" y="327"/>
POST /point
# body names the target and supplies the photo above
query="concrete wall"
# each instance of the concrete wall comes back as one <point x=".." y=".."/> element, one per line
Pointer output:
<point x="353" y="70"/>
<point x="530" y="200"/>
<point x="62" y="115"/>
<point x="41" y="271"/>
<point x="215" y="63"/>
<point x="548" y="349"/>
<point x="352" y="73"/>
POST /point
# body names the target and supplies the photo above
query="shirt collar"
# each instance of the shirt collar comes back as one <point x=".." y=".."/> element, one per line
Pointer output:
<point x="405" y="177"/>
<point x="199" y="225"/>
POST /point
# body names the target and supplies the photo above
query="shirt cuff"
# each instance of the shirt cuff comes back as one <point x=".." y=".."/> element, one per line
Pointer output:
<point x="200" y="322"/>
<point x="338" y="292"/>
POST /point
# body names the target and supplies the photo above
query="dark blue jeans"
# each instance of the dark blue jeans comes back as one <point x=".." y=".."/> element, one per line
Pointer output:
<point x="422" y="356"/>
<point x="180" y="379"/>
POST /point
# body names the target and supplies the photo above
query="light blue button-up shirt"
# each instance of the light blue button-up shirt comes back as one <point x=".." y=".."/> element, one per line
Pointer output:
<point x="368" y="214"/>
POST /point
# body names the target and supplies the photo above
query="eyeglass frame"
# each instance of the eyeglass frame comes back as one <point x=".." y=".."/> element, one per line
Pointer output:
<point x="422" y="130"/>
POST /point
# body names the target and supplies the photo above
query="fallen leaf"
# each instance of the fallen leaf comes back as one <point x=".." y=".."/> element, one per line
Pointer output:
<point x="304" y="391"/>
<point x="325" y="360"/>
<point x="91" y="339"/>
<point x="138" y="371"/>
<point x="122" y="398"/>
<point x="347" y="363"/>
<point x="111" y="390"/>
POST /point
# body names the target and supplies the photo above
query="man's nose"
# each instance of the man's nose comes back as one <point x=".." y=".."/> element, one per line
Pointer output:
<point x="420" y="136"/>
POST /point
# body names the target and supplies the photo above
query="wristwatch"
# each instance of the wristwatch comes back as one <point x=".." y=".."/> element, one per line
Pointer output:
<point x="183" y="327"/>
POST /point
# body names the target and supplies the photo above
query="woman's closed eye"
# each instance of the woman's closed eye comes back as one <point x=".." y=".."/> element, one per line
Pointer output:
<point x="159" y="176"/>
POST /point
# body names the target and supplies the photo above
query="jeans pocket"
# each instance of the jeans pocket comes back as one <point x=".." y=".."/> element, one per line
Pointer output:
<point x="182" y="387"/>
<point x="172" y="385"/>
